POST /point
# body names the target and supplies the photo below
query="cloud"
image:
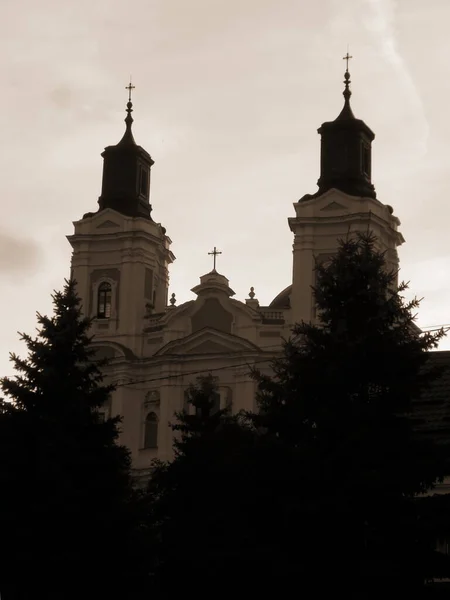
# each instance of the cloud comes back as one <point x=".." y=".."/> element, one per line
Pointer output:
<point x="380" y="21"/>
<point x="17" y="257"/>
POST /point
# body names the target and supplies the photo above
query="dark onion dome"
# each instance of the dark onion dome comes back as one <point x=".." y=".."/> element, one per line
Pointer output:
<point x="346" y="153"/>
<point x="126" y="174"/>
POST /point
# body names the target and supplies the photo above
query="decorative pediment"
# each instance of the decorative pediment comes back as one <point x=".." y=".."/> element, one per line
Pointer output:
<point x="334" y="206"/>
<point x="152" y="399"/>
<point x="212" y="314"/>
<point x="108" y="225"/>
<point x="208" y="341"/>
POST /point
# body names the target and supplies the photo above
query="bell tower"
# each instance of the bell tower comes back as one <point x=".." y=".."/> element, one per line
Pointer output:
<point x="346" y="152"/>
<point x="345" y="203"/>
<point x="121" y="256"/>
<point x="126" y="173"/>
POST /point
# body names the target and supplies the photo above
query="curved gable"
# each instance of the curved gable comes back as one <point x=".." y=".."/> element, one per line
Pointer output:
<point x="212" y="314"/>
<point x="107" y="349"/>
<point x="245" y="310"/>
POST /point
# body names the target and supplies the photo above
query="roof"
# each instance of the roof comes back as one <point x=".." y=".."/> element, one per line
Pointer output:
<point x="431" y="413"/>
<point x="283" y="299"/>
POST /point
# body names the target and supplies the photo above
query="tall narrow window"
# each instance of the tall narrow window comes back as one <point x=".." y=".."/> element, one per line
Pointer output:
<point x="215" y="402"/>
<point x="365" y="159"/>
<point x="104" y="300"/>
<point x="186" y="404"/>
<point x="104" y="411"/>
<point x="144" y="182"/>
<point x="151" y="431"/>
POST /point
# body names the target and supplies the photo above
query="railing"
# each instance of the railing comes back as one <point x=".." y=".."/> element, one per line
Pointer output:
<point x="272" y="314"/>
<point x="151" y="321"/>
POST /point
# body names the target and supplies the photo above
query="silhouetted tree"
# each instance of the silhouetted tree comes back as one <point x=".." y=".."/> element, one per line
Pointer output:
<point x="338" y="403"/>
<point x="71" y="523"/>
<point x="205" y="501"/>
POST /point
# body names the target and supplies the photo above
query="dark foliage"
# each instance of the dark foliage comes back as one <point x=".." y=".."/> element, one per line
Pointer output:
<point x="339" y="405"/>
<point x="315" y="492"/>
<point x="205" y="502"/>
<point x="69" y="518"/>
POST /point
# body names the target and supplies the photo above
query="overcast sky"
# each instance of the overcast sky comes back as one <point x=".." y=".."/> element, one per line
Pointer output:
<point x="229" y="95"/>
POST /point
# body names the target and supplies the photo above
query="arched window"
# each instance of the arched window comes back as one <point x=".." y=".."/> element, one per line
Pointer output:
<point x="104" y="300"/>
<point x="215" y="402"/>
<point x="151" y="431"/>
<point x="104" y="411"/>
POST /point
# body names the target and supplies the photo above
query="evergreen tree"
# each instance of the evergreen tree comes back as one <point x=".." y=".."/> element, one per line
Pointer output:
<point x="68" y="512"/>
<point x="204" y="501"/>
<point x="339" y="404"/>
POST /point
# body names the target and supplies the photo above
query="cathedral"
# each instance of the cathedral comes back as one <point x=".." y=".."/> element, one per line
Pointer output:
<point x="121" y="260"/>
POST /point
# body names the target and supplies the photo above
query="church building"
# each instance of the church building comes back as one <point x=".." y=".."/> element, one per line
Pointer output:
<point x="121" y="260"/>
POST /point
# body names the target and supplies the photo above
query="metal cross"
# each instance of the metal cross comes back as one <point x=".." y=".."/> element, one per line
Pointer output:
<point x="214" y="253"/>
<point x="347" y="57"/>
<point x="129" y="87"/>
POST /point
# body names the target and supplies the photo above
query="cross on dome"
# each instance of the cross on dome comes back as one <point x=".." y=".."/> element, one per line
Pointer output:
<point x="214" y="253"/>
<point x="347" y="57"/>
<point x="130" y="87"/>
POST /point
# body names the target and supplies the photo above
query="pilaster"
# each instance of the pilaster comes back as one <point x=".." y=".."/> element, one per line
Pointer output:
<point x="319" y="224"/>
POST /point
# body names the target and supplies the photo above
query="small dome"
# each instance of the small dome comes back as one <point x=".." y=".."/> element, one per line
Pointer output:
<point x="213" y="281"/>
<point x="283" y="300"/>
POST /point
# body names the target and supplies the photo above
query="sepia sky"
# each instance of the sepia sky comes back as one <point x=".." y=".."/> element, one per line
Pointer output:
<point x="229" y="95"/>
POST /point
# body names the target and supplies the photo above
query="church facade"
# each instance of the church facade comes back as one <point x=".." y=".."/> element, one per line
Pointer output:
<point x="121" y="259"/>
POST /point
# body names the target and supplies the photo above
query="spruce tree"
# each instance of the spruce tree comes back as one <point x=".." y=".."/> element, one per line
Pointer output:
<point x="204" y="501"/>
<point x="339" y="403"/>
<point x="68" y="511"/>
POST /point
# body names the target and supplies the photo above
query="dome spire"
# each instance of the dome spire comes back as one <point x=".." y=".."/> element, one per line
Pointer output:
<point x="346" y="112"/>
<point x="346" y="151"/>
<point x="128" y="135"/>
<point x="126" y="173"/>
<point x="347" y="92"/>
